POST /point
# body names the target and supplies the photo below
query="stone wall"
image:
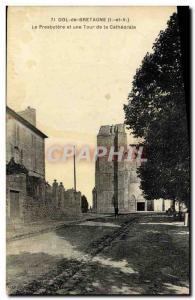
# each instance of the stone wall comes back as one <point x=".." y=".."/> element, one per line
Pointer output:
<point x="30" y="199"/>
<point x="68" y="201"/>
<point x="16" y="184"/>
<point x="27" y="147"/>
<point x="72" y="203"/>
<point x="108" y="187"/>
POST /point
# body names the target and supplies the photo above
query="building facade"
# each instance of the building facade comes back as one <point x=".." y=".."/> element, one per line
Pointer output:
<point x="25" y="162"/>
<point x="116" y="181"/>
<point x="29" y="196"/>
<point x="25" y="143"/>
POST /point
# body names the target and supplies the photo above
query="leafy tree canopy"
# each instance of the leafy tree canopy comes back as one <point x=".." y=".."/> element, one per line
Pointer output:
<point x="156" y="112"/>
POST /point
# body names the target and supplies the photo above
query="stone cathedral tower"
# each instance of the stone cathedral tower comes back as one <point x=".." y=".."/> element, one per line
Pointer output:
<point x="111" y="177"/>
<point x="118" y="179"/>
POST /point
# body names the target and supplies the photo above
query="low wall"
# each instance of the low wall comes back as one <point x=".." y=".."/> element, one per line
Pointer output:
<point x="37" y="200"/>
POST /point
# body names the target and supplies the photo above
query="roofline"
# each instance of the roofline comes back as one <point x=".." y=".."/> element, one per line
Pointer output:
<point x="25" y="122"/>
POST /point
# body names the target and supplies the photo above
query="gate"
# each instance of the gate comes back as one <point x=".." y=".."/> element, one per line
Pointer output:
<point x="14" y="205"/>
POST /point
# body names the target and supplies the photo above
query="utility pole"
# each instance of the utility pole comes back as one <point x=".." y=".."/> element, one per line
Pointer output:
<point x="116" y="169"/>
<point x="75" y="188"/>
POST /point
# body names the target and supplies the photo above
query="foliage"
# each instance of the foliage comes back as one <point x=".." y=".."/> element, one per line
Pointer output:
<point x="84" y="204"/>
<point x="156" y="112"/>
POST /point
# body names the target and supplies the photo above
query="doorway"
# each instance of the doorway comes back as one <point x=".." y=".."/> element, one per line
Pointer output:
<point x="14" y="205"/>
<point x="132" y="204"/>
<point x="140" y="206"/>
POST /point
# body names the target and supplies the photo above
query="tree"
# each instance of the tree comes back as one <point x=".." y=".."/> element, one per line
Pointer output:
<point x="156" y="112"/>
<point x="84" y="204"/>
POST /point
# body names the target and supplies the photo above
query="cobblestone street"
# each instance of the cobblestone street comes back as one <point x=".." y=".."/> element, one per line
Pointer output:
<point x="134" y="254"/>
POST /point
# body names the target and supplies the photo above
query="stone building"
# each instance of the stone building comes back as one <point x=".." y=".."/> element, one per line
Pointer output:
<point x="25" y="159"/>
<point x="25" y="142"/>
<point x="29" y="196"/>
<point x="116" y="182"/>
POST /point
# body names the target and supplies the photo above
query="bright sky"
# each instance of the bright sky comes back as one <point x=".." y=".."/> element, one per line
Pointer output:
<point x="77" y="79"/>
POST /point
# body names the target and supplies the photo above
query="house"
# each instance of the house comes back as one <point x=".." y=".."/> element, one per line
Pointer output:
<point x="25" y="164"/>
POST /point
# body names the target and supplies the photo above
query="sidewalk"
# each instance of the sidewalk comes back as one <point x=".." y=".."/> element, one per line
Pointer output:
<point x="20" y="231"/>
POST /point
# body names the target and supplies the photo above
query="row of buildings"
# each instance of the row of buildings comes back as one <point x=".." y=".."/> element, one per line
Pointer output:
<point x="29" y="196"/>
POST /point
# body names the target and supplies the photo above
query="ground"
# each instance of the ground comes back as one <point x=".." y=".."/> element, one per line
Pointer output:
<point x="144" y="254"/>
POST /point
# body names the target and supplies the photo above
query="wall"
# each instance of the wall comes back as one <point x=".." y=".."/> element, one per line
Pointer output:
<point x="25" y="146"/>
<point x="67" y="201"/>
<point x="158" y="205"/>
<point x="168" y="204"/>
<point x="16" y="183"/>
<point x="72" y="203"/>
<point x="38" y="200"/>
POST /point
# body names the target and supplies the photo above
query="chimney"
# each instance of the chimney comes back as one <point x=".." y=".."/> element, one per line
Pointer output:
<point x="29" y="114"/>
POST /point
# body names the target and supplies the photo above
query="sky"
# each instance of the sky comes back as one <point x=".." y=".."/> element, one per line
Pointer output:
<point x="76" y="79"/>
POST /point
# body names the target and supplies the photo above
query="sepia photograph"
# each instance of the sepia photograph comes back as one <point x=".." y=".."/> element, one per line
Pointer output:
<point x="98" y="151"/>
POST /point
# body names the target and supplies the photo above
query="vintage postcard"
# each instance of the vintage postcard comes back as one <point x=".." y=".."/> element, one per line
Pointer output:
<point x="97" y="151"/>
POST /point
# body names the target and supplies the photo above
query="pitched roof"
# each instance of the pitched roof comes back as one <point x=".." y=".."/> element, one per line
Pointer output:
<point x="25" y="122"/>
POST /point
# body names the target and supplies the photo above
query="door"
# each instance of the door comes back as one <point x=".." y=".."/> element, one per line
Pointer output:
<point x="150" y="205"/>
<point x="14" y="205"/>
<point x="140" y="206"/>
